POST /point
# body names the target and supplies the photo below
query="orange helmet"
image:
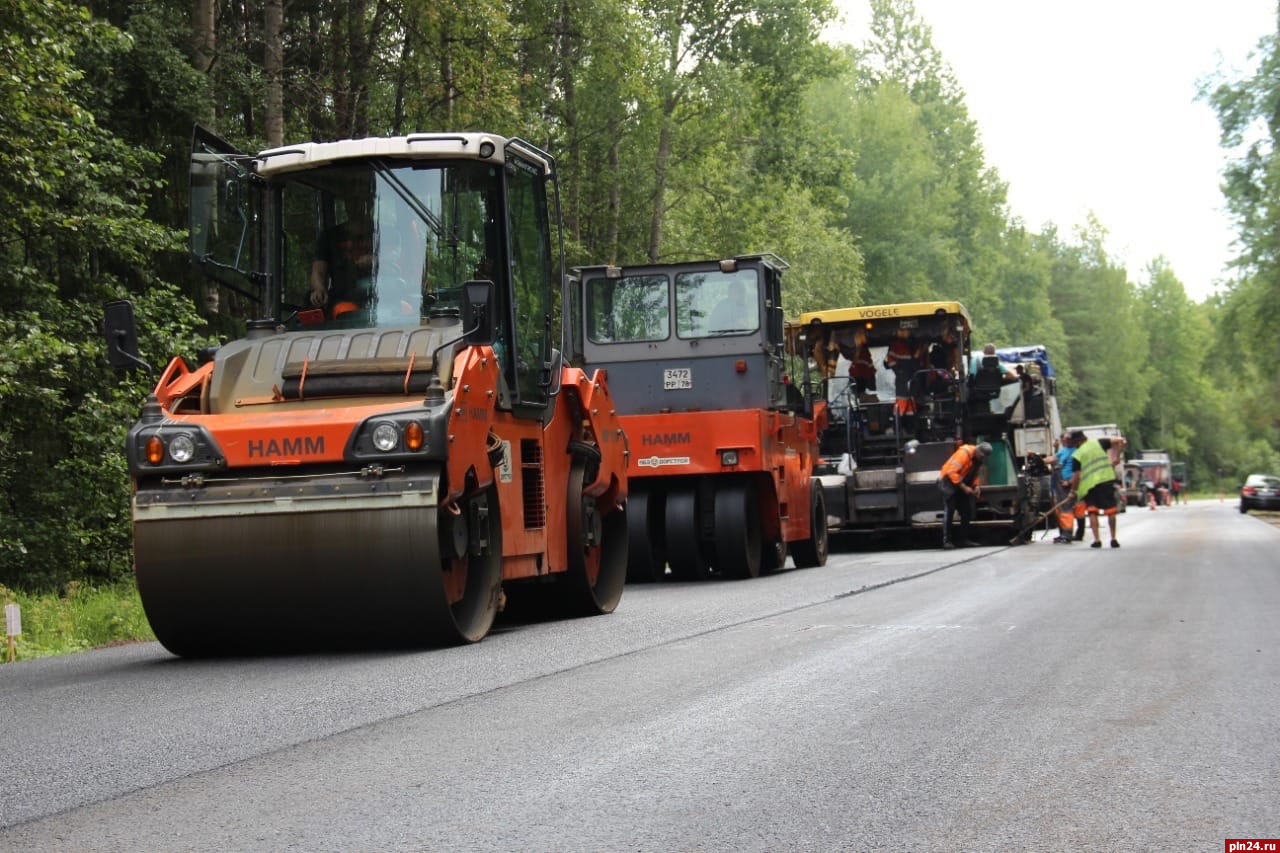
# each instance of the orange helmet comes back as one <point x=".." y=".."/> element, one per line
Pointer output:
<point x="340" y="308"/>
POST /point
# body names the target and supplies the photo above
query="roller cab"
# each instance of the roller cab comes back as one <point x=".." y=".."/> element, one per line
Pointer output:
<point x="395" y="445"/>
<point x="723" y="445"/>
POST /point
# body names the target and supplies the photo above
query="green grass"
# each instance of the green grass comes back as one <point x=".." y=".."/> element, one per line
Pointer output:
<point x="81" y="617"/>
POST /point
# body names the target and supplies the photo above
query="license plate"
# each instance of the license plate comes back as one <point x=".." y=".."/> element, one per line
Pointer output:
<point x="677" y="378"/>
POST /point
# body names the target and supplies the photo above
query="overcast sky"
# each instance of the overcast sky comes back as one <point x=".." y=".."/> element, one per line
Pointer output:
<point x="1091" y="106"/>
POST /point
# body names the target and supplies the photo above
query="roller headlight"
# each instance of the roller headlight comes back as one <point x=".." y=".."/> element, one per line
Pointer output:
<point x="182" y="448"/>
<point x="386" y="437"/>
<point x="172" y="448"/>
<point x="413" y="435"/>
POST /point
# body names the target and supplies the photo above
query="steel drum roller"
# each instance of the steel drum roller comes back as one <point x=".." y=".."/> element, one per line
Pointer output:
<point x="281" y="566"/>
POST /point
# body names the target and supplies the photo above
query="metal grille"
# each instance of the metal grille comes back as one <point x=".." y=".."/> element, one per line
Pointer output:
<point x="881" y="478"/>
<point x="531" y="482"/>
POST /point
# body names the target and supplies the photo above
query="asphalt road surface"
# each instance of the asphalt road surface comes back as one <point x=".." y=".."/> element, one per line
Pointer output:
<point x="1045" y="697"/>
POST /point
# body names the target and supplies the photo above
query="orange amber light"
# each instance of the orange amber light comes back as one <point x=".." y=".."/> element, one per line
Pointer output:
<point x="155" y="450"/>
<point x="414" y="437"/>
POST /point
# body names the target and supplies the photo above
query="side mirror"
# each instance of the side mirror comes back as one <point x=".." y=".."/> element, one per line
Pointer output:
<point x="122" y="336"/>
<point x="478" y="311"/>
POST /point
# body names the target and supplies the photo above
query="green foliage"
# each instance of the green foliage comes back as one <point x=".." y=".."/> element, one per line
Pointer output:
<point x="76" y="235"/>
<point x="1249" y="317"/>
<point x="1021" y="284"/>
<point x="1110" y="370"/>
<point x="751" y="215"/>
<point x="890" y="203"/>
<point x="681" y="131"/>
<point x="926" y="174"/>
<point x="79" y="618"/>
<point x="1179" y="348"/>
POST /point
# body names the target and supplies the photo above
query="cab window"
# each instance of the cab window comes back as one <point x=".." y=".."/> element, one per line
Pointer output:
<point x="634" y="308"/>
<point x="715" y="303"/>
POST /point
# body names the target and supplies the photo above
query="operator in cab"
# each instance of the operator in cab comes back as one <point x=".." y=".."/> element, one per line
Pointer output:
<point x="343" y="263"/>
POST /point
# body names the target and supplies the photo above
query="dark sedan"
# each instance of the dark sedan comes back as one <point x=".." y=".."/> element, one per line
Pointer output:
<point x="1260" y="491"/>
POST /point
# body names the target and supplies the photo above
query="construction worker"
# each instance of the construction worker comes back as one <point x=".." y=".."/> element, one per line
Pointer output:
<point x="903" y="358"/>
<point x="342" y="269"/>
<point x="958" y="482"/>
<point x="862" y="369"/>
<point x="1094" y="481"/>
<point x="1066" y="465"/>
<point x="824" y="352"/>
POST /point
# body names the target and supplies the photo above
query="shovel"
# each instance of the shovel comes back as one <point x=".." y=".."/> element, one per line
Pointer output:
<point x="1048" y="512"/>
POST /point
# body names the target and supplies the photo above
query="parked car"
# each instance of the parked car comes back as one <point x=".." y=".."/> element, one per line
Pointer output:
<point x="1260" y="491"/>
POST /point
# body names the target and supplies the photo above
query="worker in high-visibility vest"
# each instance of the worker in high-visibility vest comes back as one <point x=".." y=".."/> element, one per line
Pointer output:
<point x="904" y="359"/>
<point x="958" y="482"/>
<point x="1094" y="481"/>
<point x="862" y="368"/>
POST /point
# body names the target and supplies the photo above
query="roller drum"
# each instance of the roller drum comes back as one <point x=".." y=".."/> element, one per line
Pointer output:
<point x="289" y="567"/>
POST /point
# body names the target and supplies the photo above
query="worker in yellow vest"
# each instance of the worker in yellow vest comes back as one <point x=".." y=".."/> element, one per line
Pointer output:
<point x="1094" y="481"/>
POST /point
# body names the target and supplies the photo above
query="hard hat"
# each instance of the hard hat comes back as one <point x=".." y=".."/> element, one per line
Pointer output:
<point x="341" y="308"/>
<point x="985" y="449"/>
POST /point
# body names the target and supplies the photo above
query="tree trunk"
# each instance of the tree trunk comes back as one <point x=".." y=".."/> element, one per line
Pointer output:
<point x="273" y="67"/>
<point x="565" y="44"/>
<point x="339" y="60"/>
<point x="449" y="92"/>
<point x="204" y="44"/>
<point x="402" y="84"/>
<point x="245" y="27"/>
<point x="660" y="164"/>
<point x="319" y="117"/>
<point x="360" y="37"/>
<point x="615" y="198"/>
<point x="204" y="34"/>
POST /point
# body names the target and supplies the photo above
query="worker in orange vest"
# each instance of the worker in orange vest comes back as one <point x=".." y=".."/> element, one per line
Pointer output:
<point x="904" y="359"/>
<point x="862" y="369"/>
<point x="958" y="482"/>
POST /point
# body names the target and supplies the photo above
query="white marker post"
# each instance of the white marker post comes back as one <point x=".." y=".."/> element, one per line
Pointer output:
<point x="12" y="627"/>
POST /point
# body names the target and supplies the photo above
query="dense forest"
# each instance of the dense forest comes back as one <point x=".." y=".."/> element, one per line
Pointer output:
<point x="683" y="129"/>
